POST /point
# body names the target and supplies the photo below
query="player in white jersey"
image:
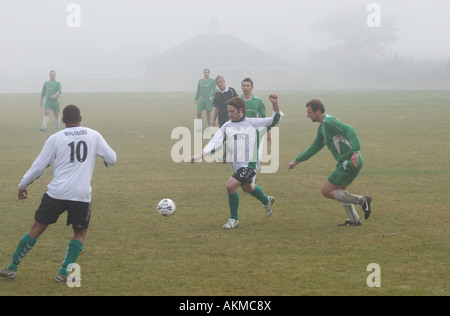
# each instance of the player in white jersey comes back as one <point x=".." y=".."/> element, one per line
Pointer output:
<point x="72" y="152"/>
<point x="242" y="136"/>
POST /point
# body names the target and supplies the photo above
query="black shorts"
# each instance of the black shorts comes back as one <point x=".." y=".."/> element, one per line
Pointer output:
<point x="244" y="175"/>
<point x="78" y="213"/>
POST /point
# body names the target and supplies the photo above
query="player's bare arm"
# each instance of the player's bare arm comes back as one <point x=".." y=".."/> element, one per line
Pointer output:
<point x="274" y="99"/>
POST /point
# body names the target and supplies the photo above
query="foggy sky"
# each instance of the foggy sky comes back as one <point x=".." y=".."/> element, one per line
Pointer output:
<point x="117" y="37"/>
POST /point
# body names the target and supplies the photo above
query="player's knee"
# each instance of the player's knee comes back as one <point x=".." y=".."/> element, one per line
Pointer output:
<point x="230" y="188"/>
<point x="248" y="188"/>
<point x="326" y="192"/>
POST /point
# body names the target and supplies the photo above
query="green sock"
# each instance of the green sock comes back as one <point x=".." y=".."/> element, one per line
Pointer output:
<point x="259" y="194"/>
<point x="233" y="200"/>
<point x="73" y="251"/>
<point x="26" y="243"/>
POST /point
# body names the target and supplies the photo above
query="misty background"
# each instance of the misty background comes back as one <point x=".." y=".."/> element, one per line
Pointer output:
<point x="154" y="45"/>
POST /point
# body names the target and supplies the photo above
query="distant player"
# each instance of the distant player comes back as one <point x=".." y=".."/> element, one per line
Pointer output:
<point x="241" y="135"/>
<point x="51" y="92"/>
<point x="343" y="142"/>
<point x="206" y="88"/>
<point x="221" y="97"/>
<point x="72" y="152"/>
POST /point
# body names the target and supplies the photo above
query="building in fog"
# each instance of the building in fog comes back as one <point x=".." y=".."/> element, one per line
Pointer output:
<point x="181" y="67"/>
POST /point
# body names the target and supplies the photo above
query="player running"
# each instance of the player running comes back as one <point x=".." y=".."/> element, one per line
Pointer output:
<point x="343" y="142"/>
<point x="241" y="135"/>
<point x="73" y="152"/>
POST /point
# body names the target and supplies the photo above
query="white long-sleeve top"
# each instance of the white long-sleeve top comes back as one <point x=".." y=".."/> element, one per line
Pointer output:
<point x="72" y="152"/>
<point x="243" y="140"/>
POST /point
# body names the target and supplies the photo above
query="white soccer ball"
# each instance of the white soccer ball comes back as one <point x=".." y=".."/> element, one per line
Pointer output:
<point x="166" y="207"/>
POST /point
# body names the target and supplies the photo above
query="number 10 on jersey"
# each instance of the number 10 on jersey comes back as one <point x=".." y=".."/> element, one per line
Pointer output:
<point x="79" y="151"/>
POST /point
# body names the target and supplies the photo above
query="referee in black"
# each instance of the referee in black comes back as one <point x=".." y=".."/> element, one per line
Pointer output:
<point x="222" y="95"/>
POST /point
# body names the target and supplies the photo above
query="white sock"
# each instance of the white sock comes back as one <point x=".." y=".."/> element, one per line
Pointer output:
<point x="345" y="197"/>
<point x="351" y="212"/>
<point x="57" y="123"/>
<point x="45" y="121"/>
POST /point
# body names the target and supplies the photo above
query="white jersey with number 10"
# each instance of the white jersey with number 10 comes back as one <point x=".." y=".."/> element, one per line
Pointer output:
<point x="72" y="152"/>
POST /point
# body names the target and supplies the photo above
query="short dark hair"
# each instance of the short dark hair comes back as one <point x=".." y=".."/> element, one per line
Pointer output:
<point x="237" y="102"/>
<point x="316" y="105"/>
<point x="247" y="80"/>
<point x="71" y="114"/>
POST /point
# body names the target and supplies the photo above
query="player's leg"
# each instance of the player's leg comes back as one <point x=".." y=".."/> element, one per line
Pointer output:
<point x="208" y="118"/>
<point x="258" y="193"/>
<point x="233" y="197"/>
<point x="334" y="192"/>
<point x="79" y="214"/>
<point x="56" y="111"/>
<point x="335" y="187"/>
<point x="208" y="108"/>
<point x="26" y="243"/>
<point x="47" y="213"/>
<point x="46" y="118"/>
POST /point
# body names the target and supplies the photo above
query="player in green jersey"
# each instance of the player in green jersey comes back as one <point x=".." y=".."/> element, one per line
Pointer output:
<point x="343" y="142"/>
<point x="51" y="92"/>
<point x="254" y="106"/>
<point x="206" y="88"/>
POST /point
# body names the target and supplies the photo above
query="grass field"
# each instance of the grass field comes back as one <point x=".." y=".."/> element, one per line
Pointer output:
<point x="132" y="250"/>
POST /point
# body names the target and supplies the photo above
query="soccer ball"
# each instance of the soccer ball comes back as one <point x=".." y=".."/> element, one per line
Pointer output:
<point x="166" y="207"/>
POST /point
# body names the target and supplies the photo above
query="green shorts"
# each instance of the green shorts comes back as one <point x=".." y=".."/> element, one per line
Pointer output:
<point x="345" y="172"/>
<point x="204" y="103"/>
<point x="52" y="105"/>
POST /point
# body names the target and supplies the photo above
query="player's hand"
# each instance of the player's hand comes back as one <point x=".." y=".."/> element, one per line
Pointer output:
<point x="23" y="194"/>
<point x="355" y="159"/>
<point x="273" y="98"/>
<point x="292" y="165"/>
<point x="197" y="158"/>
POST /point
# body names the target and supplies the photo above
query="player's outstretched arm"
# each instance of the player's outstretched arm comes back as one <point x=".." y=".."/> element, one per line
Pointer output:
<point x="196" y="158"/>
<point x="274" y="99"/>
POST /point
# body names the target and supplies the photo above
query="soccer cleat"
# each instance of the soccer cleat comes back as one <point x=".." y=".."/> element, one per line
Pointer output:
<point x="43" y="129"/>
<point x="232" y="223"/>
<point x="268" y="207"/>
<point x="61" y="278"/>
<point x="366" y="206"/>
<point x="8" y="274"/>
<point x="350" y="223"/>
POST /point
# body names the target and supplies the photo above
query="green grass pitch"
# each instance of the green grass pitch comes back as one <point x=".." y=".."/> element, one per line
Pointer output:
<point x="130" y="249"/>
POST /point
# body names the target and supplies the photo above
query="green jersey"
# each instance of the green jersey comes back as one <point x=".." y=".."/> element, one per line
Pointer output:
<point x="340" y="138"/>
<point x="254" y="107"/>
<point x="205" y="88"/>
<point x="50" y="88"/>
